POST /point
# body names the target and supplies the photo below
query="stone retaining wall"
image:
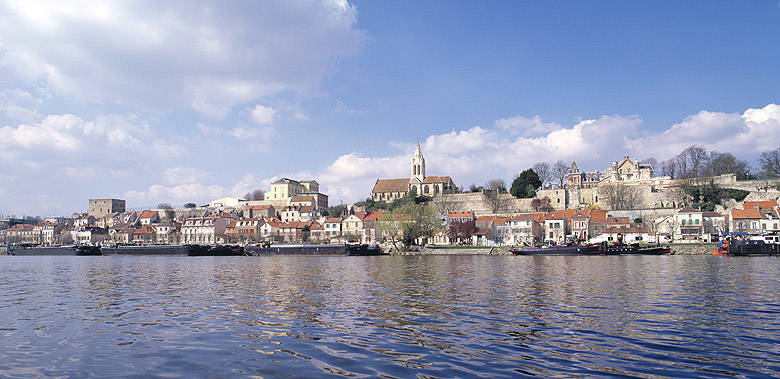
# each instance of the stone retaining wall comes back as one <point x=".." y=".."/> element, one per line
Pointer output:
<point x="693" y="249"/>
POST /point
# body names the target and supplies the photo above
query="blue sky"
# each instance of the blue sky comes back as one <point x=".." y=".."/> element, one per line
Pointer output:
<point x="166" y="102"/>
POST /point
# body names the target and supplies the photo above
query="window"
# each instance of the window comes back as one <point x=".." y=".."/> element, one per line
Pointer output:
<point x="697" y="221"/>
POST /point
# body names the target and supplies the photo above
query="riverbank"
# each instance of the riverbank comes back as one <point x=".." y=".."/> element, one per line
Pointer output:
<point x="677" y="249"/>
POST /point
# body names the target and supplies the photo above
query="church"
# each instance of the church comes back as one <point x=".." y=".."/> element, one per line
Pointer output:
<point x="391" y="189"/>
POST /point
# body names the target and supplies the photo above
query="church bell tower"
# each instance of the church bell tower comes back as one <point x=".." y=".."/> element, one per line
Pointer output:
<point x="418" y="164"/>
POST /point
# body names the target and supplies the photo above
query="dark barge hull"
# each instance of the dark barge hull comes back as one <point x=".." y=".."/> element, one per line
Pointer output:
<point x="58" y="250"/>
<point x="559" y="250"/>
<point x="174" y="250"/>
<point x="748" y="247"/>
<point x="636" y="250"/>
<point x="333" y="249"/>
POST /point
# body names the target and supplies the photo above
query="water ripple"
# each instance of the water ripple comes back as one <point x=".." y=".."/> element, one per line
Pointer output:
<point x="427" y="317"/>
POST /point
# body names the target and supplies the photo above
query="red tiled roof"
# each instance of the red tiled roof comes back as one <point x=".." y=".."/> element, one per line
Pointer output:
<point x="257" y="207"/>
<point x="688" y="209"/>
<point x="759" y="204"/>
<point x="373" y="216"/>
<point x="747" y="213"/>
<point x="148" y="214"/>
<point x="460" y="214"/>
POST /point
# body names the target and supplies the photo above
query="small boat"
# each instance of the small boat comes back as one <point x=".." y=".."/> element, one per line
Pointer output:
<point x="592" y="249"/>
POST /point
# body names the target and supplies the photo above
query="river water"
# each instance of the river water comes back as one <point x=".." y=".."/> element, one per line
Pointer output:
<point x="391" y="316"/>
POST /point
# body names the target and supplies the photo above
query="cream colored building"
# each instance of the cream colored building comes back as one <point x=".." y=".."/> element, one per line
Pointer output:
<point x="203" y="230"/>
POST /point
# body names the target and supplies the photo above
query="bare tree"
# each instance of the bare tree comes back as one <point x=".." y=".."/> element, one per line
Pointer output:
<point x="543" y="171"/>
<point x="257" y="194"/>
<point x="669" y="168"/>
<point x="167" y="210"/>
<point x="559" y="172"/>
<point x="650" y="161"/>
<point x="770" y="163"/>
<point x="495" y="195"/>
<point x="726" y="163"/>
<point x="446" y="204"/>
<point x="677" y="196"/>
<point x="541" y="205"/>
<point x="620" y="196"/>
<point x="692" y="162"/>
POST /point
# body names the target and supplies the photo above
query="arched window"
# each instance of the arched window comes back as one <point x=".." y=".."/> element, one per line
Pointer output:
<point x="425" y="189"/>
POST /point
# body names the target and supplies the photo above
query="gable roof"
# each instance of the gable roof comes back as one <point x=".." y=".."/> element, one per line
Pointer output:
<point x="257" y="207"/>
<point x="286" y="180"/>
<point x="461" y="214"/>
<point x="528" y="217"/>
<point x="746" y="213"/>
<point x="148" y="214"/>
<point x="373" y="216"/>
<point x="391" y="185"/>
<point x="302" y="198"/>
<point x="436" y="179"/>
<point x="759" y="204"/>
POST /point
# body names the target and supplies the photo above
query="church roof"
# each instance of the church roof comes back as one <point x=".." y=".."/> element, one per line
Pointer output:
<point x="436" y="179"/>
<point x="391" y="185"/>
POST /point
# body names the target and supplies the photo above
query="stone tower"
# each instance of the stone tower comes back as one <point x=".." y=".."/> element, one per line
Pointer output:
<point x="418" y="165"/>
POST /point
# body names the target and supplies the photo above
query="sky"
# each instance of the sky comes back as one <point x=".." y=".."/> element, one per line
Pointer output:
<point x="174" y="102"/>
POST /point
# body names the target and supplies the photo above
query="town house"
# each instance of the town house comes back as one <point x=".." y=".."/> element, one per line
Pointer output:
<point x="745" y="221"/>
<point x="204" y="230"/>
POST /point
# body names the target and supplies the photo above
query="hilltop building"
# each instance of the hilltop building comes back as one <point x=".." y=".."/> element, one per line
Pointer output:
<point x="625" y="171"/>
<point x="102" y="207"/>
<point x="418" y="183"/>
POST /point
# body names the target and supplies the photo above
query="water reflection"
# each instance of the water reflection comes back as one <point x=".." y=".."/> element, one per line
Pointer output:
<point x="427" y="316"/>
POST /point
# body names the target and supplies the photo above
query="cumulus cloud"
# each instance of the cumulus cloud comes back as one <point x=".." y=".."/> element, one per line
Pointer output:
<point x="185" y="175"/>
<point x="20" y="105"/>
<point x="196" y="186"/>
<point x="745" y="135"/>
<point x="180" y="194"/>
<point x="69" y="133"/>
<point x="197" y="54"/>
<point x="263" y="115"/>
<point x="527" y="126"/>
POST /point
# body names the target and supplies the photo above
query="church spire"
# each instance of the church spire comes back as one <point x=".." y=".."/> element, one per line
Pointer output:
<point x="418" y="164"/>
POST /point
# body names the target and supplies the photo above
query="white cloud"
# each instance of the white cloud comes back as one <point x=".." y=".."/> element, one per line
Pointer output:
<point x="341" y="108"/>
<point x="192" y="188"/>
<point x="68" y="133"/>
<point x="185" y="175"/>
<point x="745" y="135"/>
<point x="263" y="115"/>
<point x="527" y="126"/>
<point x="180" y="194"/>
<point x="197" y="54"/>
